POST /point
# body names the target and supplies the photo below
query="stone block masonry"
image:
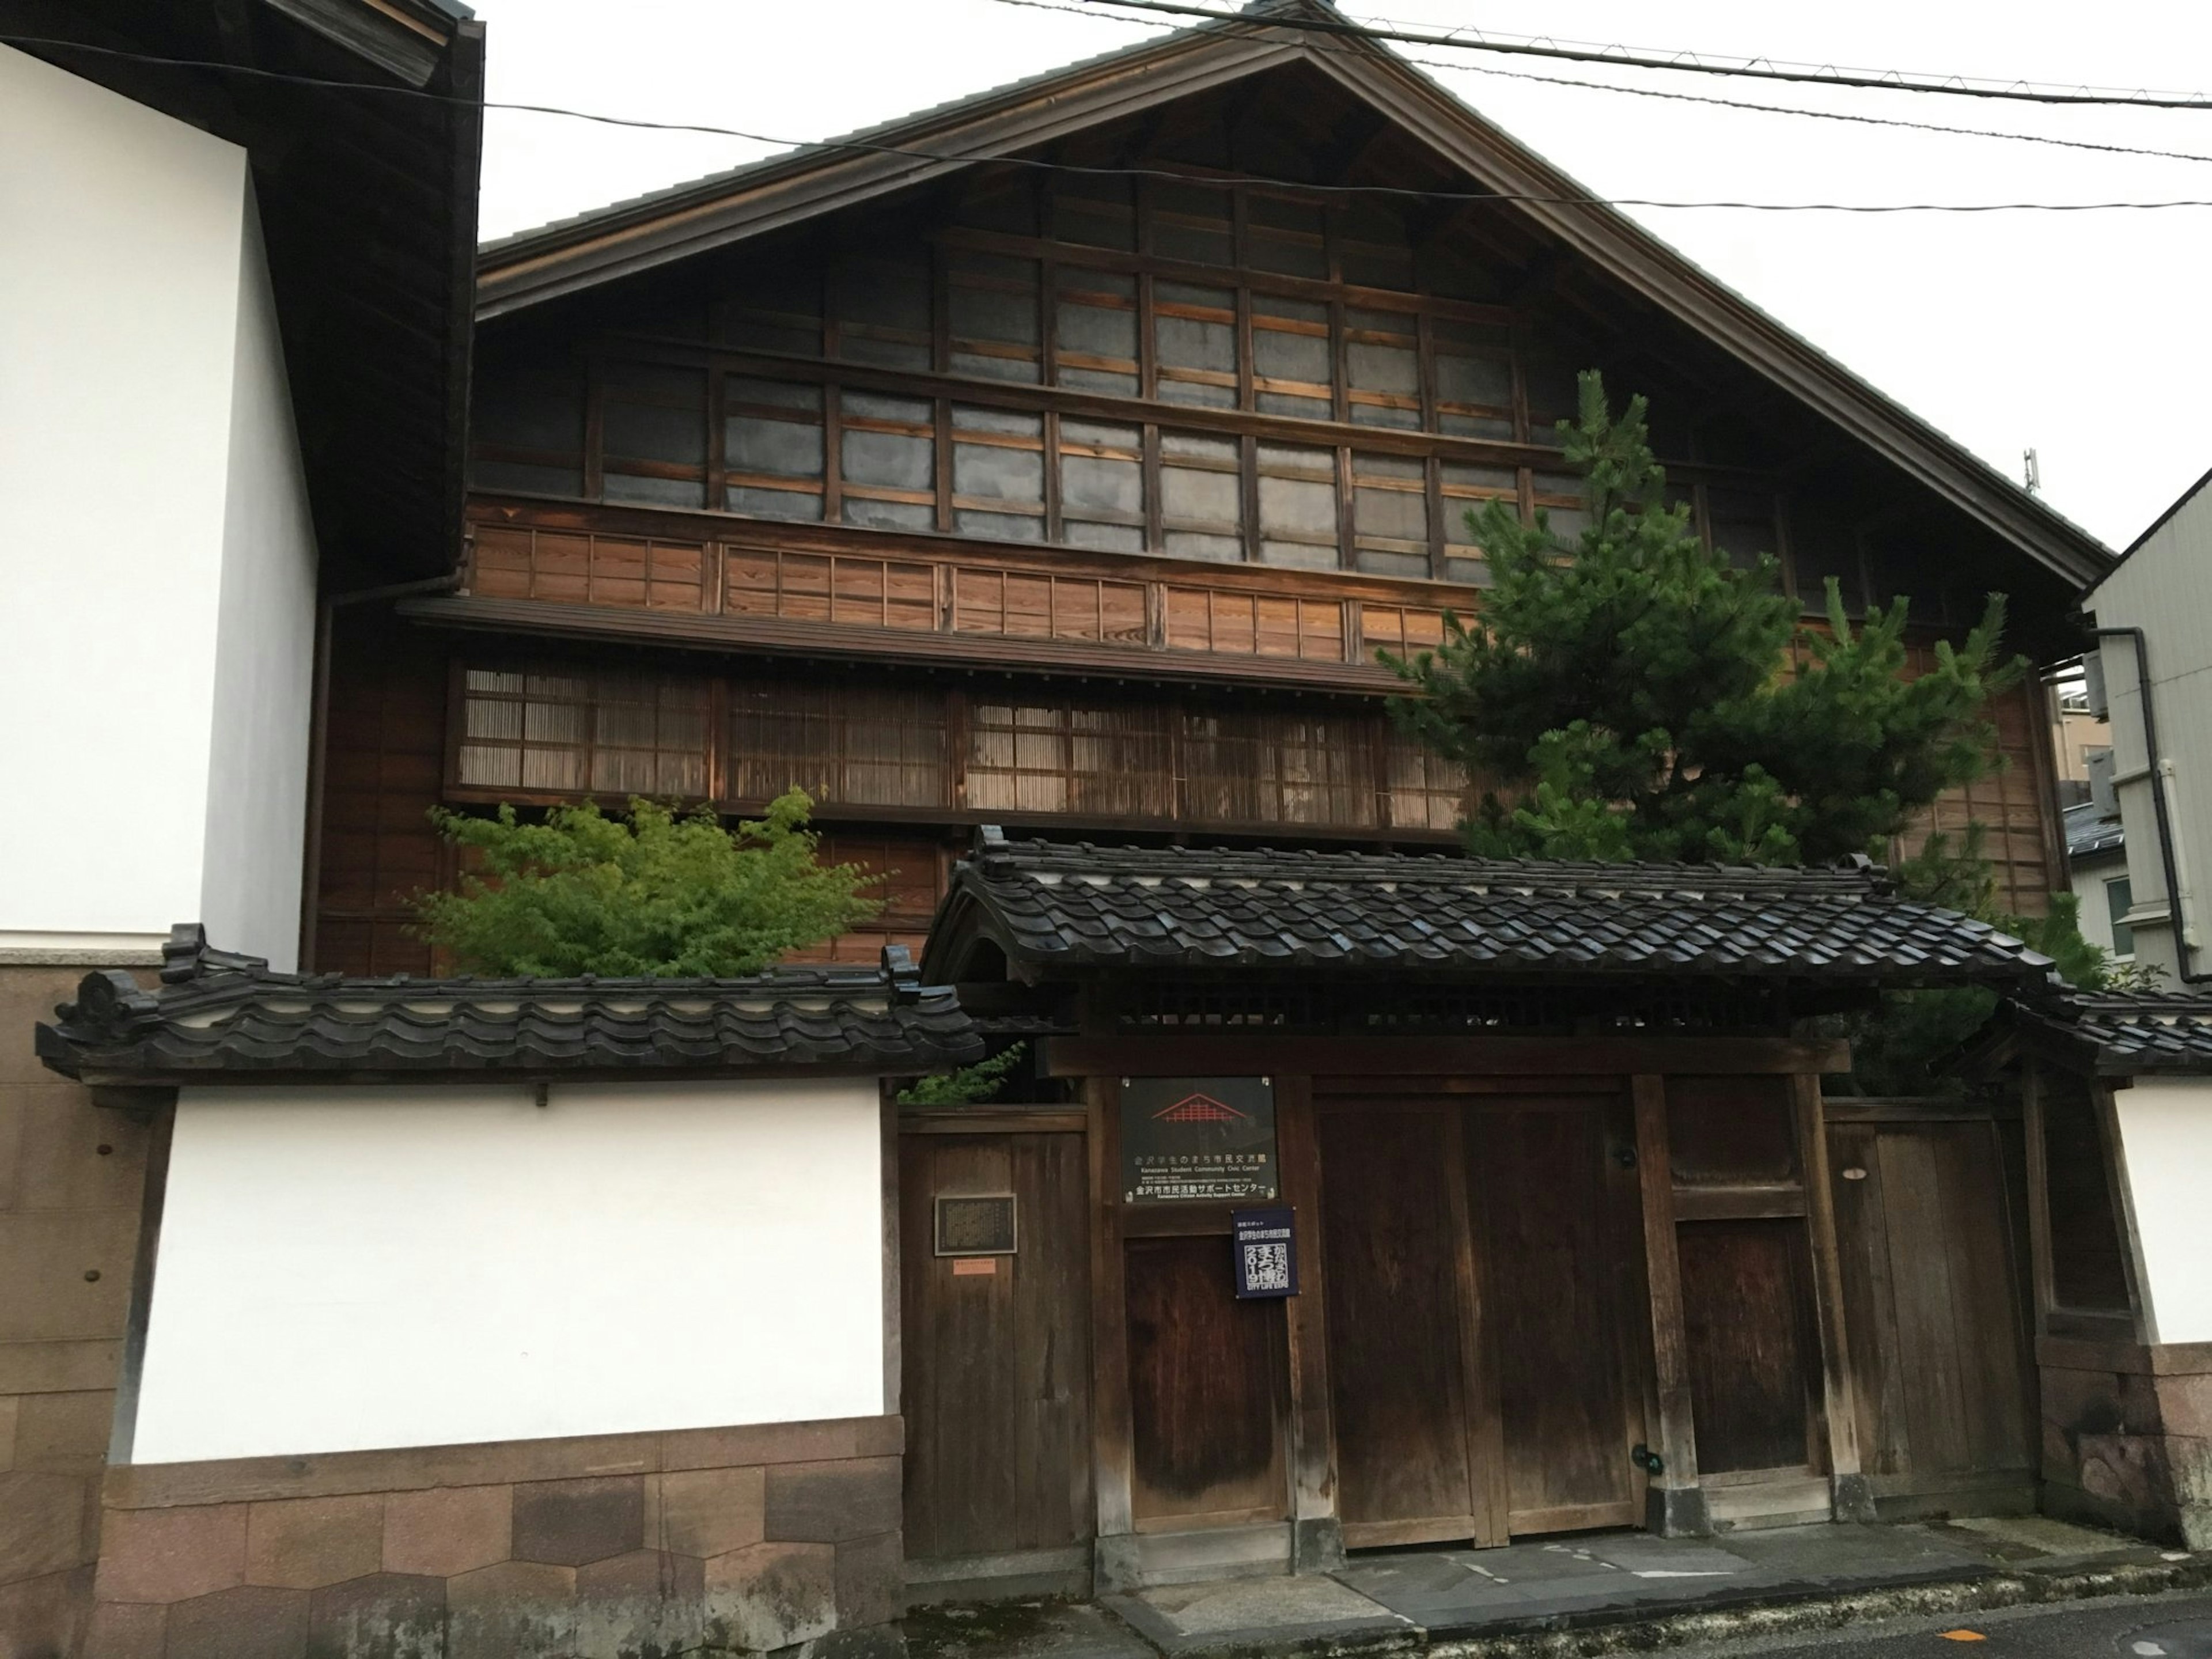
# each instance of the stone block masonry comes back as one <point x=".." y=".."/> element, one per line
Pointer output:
<point x="2127" y="1436"/>
<point x="72" y="1183"/>
<point x="744" y="1539"/>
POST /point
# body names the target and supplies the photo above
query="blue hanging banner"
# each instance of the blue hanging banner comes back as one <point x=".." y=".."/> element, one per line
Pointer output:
<point x="1266" y="1244"/>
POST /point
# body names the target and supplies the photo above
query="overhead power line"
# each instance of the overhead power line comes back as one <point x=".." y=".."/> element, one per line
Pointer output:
<point x="1078" y="9"/>
<point x="1757" y="68"/>
<point x="862" y="146"/>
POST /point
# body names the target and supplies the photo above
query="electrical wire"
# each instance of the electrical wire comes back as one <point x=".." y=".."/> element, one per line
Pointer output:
<point x="864" y="147"/>
<point x="1757" y="68"/>
<point x="1075" y="8"/>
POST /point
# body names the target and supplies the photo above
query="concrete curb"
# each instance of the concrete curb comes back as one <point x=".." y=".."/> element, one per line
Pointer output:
<point x="1774" y="1611"/>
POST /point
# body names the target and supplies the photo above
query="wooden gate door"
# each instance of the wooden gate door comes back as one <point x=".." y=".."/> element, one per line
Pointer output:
<point x="1559" y="1241"/>
<point x="995" y="1345"/>
<point x="1486" y="1357"/>
<point x="1930" y="1232"/>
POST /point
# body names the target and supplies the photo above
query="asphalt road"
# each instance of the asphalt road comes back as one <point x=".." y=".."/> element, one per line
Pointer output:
<point x="2178" y="1626"/>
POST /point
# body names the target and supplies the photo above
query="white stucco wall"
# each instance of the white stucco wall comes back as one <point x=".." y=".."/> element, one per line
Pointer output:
<point x="2165" y="1128"/>
<point x="153" y="548"/>
<point x="345" y="1268"/>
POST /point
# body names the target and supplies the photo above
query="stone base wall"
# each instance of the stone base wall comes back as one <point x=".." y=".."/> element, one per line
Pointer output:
<point x="72" y="1180"/>
<point x="2127" y="1436"/>
<point x="622" y="1546"/>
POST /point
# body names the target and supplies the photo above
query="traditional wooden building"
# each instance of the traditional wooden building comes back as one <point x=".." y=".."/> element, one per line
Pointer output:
<point x="1554" y="1228"/>
<point x="1060" y="458"/>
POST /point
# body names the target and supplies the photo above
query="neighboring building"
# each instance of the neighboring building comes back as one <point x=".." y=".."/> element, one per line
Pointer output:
<point x="2153" y="617"/>
<point x="2097" y="872"/>
<point x="234" y="321"/>
<point x="2082" y="736"/>
<point x="972" y="469"/>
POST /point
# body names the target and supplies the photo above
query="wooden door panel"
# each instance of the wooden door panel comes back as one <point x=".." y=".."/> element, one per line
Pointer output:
<point x="1552" y="1242"/>
<point x="1747" y="1328"/>
<point x="996" y="1385"/>
<point x="1399" y="1379"/>
<point x="1204" y="1387"/>
<point x="1932" y="1301"/>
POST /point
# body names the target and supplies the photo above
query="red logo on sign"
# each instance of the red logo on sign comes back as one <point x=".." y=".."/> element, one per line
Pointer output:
<point x="1199" y="1108"/>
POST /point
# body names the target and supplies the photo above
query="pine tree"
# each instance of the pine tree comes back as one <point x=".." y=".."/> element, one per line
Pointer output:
<point x="1635" y="696"/>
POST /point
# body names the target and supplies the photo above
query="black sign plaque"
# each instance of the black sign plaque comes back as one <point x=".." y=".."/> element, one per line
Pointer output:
<point x="1187" y="1138"/>
<point x="1266" y="1244"/>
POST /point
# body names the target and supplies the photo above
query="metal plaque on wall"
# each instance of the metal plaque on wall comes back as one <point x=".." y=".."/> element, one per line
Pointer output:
<point x="1186" y="1138"/>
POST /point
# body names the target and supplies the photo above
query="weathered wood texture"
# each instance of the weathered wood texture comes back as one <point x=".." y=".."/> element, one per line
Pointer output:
<point x="1403" y="1390"/>
<point x="997" y="1366"/>
<point x="1932" y="1294"/>
<point x="1752" y="1347"/>
<point x="1487" y="1363"/>
<point x="1206" y="1389"/>
<point x="1556" y="1242"/>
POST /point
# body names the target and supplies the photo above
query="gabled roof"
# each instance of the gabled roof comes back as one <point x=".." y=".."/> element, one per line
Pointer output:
<point x="1058" y="911"/>
<point x="219" y="1015"/>
<point x="725" y="208"/>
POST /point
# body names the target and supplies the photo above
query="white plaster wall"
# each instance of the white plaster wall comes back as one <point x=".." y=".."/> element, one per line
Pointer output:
<point x="265" y="663"/>
<point x="343" y="1268"/>
<point x="2165" y="1127"/>
<point x="127" y="385"/>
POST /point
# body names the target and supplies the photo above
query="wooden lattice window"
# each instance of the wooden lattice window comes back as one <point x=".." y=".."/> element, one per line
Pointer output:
<point x="1244" y="766"/>
<point x="887" y="455"/>
<point x="853" y="745"/>
<point x="1474" y="378"/>
<point x="1101" y="485"/>
<point x="881" y="305"/>
<point x="654" y="426"/>
<point x="1202" y="496"/>
<point x="1094" y="330"/>
<point x="1382" y="367"/>
<point x="997" y="473"/>
<point x="1424" y="790"/>
<point x="1195" y="341"/>
<point x="994" y="317"/>
<point x="1292" y="371"/>
<point x="1463" y="487"/>
<point x="1390" y="515"/>
<point x="583" y="733"/>
<point x="1115" y="761"/>
<point x="772" y="448"/>
<point x="1299" y="522"/>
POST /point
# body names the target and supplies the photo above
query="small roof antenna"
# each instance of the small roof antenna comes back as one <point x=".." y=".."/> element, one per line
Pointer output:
<point x="2034" y="470"/>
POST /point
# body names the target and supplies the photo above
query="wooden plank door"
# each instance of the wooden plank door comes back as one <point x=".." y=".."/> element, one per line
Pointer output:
<point x="995" y="1350"/>
<point x="1553" y="1191"/>
<point x="1413" y="1462"/>
<point x="1934" y="1308"/>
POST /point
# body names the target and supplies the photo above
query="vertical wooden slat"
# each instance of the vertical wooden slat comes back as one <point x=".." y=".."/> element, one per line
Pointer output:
<point x="1837" y="1385"/>
<point x="2038" y="1193"/>
<point x="1113" y="1460"/>
<point x="1317" y="1539"/>
<point x="2123" y="1211"/>
<point x="1482" y="1359"/>
<point x="1676" y="1437"/>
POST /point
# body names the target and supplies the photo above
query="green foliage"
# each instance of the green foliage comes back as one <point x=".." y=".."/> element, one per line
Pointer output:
<point x="1637" y="697"/>
<point x="967" y="1085"/>
<point x="1901" y="1047"/>
<point x="646" y="894"/>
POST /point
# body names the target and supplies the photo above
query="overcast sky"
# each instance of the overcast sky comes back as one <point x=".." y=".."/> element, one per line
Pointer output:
<point x="2084" y="336"/>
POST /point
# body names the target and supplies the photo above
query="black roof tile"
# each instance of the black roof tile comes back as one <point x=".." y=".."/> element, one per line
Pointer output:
<point x="217" y="1013"/>
<point x="2121" y="1034"/>
<point x="1058" y="909"/>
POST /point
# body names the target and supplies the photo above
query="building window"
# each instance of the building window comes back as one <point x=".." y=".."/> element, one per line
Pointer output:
<point x="2119" y="899"/>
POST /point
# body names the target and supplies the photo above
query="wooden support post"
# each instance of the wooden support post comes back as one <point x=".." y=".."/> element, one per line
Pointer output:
<point x="1112" y="1454"/>
<point x="1849" y="1492"/>
<point x="1674" y="1504"/>
<point x="1316" y="1532"/>
<point x="2039" y="1192"/>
